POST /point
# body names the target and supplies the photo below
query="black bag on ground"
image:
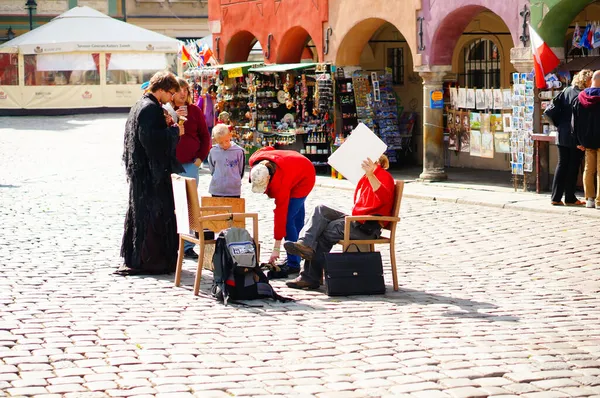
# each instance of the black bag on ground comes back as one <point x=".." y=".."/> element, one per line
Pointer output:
<point x="236" y="274"/>
<point x="354" y="273"/>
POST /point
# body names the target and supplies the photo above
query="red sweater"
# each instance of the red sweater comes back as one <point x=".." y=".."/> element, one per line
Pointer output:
<point x="368" y="202"/>
<point x="294" y="178"/>
<point x="196" y="142"/>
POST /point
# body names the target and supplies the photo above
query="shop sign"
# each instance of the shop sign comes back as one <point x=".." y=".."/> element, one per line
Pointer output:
<point x="436" y="100"/>
<point x="3" y="95"/>
<point x="235" y="72"/>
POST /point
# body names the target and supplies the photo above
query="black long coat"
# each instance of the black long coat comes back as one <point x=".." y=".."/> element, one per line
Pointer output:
<point x="150" y="242"/>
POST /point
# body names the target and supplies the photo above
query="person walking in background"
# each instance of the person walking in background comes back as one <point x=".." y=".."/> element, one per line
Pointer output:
<point x="288" y="177"/>
<point x="150" y="242"/>
<point x="226" y="162"/>
<point x="586" y="122"/>
<point x="193" y="147"/>
<point x="569" y="157"/>
<point x="209" y="103"/>
<point x="374" y="195"/>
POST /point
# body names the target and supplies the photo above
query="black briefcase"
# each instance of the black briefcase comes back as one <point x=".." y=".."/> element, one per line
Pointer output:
<point x="354" y="273"/>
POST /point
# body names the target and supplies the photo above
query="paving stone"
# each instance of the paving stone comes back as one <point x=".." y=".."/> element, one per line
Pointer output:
<point x="467" y="392"/>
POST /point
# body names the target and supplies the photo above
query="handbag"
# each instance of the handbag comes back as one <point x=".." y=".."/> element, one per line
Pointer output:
<point x="554" y="110"/>
<point x="354" y="273"/>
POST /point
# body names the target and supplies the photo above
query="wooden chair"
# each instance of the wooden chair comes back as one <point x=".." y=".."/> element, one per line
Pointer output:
<point x="198" y="221"/>
<point x="392" y="221"/>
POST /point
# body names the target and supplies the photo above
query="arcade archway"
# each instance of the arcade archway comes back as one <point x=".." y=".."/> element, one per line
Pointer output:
<point x="243" y="46"/>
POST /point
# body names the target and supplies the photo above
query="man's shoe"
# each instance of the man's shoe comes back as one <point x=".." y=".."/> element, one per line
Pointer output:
<point x="300" y="283"/>
<point x="590" y="203"/>
<point x="191" y="254"/>
<point x="576" y="203"/>
<point x="298" y="249"/>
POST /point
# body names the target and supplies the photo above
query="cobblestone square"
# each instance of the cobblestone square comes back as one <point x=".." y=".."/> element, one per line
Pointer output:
<point x="492" y="302"/>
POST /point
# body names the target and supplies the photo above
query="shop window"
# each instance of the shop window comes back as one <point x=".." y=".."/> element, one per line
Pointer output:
<point x="137" y="68"/>
<point x="481" y="65"/>
<point x="395" y="62"/>
<point x="9" y="69"/>
<point x="62" y="69"/>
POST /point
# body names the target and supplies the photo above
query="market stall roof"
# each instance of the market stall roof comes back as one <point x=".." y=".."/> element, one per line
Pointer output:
<point x="580" y="63"/>
<point x="235" y="65"/>
<point x="282" y="67"/>
<point x="85" y="29"/>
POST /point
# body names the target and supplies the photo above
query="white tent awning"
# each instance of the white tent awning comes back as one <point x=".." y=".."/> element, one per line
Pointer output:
<point x="84" y="29"/>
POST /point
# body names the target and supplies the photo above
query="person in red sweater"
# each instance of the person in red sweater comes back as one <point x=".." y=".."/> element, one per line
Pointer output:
<point x="374" y="195"/>
<point x="194" y="145"/>
<point x="288" y="177"/>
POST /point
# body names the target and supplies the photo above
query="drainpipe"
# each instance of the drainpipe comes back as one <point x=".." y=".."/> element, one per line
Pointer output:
<point x="124" y="10"/>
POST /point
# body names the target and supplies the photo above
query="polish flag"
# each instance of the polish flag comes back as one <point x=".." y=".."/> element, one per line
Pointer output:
<point x="544" y="59"/>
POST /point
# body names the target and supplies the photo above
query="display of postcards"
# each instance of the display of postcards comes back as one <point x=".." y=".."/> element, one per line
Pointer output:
<point x="529" y="100"/>
<point x="376" y="95"/>
<point x="453" y="97"/>
<point x="529" y="110"/>
<point x="466" y="122"/>
<point x="465" y="141"/>
<point x="485" y="122"/>
<point x="529" y="84"/>
<point x="374" y="77"/>
<point x="528" y="167"/>
<point x="515" y="78"/>
<point x="496" y="122"/>
<point x="480" y="99"/>
<point x="502" y="142"/>
<point x="475" y="120"/>
<point x="375" y="85"/>
<point x="487" y="145"/>
<point x="506" y="98"/>
<point x="528" y="126"/>
<point x="520" y="145"/>
<point x="514" y="156"/>
<point x="462" y="98"/>
<point x="520" y="169"/>
<point x="475" y="143"/>
<point x="507" y="122"/>
<point x="520" y="157"/>
<point x="489" y="98"/>
<point x="523" y="78"/>
<point x="457" y="119"/>
<point x="528" y="117"/>
<point x="498" y="100"/>
<point x="513" y="168"/>
<point x="450" y="118"/>
<point x="470" y="98"/>
<point x="453" y="142"/>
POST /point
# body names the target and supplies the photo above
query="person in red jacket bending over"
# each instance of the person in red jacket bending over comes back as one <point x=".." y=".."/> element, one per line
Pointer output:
<point x="288" y="177"/>
<point x="374" y="195"/>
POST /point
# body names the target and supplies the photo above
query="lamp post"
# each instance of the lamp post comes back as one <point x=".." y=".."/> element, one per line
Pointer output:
<point x="31" y="5"/>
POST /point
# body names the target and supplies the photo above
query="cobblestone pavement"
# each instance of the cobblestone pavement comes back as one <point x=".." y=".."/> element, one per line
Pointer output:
<point x="493" y="302"/>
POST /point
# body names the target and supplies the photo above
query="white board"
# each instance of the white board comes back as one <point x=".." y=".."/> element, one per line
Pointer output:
<point x="359" y="145"/>
<point x="181" y="206"/>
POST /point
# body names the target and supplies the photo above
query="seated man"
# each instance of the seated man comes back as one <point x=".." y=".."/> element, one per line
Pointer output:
<point x="374" y="195"/>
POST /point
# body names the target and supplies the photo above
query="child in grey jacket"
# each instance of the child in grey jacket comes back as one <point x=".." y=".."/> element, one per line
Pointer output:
<point x="226" y="162"/>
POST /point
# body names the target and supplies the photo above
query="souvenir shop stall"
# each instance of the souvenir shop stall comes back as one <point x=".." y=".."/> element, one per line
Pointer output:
<point x="369" y="98"/>
<point x="291" y="107"/>
<point x="485" y="122"/>
<point x="232" y="84"/>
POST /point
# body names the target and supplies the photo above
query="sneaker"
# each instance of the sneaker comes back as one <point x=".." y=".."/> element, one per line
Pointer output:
<point x="191" y="254"/>
<point x="298" y="249"/>
<point x="300" y="283"/>
<point x="590" y="203"/>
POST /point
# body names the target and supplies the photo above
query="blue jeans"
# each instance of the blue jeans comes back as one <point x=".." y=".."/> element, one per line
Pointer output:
<point x="295" y="222"/>
<point x="191" y="171"/>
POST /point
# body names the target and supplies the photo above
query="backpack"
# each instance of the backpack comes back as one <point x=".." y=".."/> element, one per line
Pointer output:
<point x="236" y="274"/>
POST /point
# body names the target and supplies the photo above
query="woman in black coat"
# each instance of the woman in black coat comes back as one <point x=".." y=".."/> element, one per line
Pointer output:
<point x="569" y="157"/>
<point x="150" y="242"/>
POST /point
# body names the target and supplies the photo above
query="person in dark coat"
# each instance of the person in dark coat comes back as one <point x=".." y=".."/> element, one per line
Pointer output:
<point x="150" y="242"/>
<point x="586" y="121"/>
<point x="569" y="156"/>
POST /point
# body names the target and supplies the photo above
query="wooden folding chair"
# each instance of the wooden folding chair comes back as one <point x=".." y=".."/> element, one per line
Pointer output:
<point x="198" y="222"/>
<point x="391" y="221"/>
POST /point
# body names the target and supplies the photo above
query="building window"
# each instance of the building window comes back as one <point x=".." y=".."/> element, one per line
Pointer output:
<point x="395" y="62"/>
<point x="481" y="65"/>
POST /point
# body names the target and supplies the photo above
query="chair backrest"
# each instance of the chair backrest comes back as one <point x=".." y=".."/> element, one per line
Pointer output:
<point x="193" y="204"/>
<point x="238" y="205"/>
<point x="398" y="190"/>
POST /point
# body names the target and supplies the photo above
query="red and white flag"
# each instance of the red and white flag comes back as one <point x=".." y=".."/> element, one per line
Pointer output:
<point x="544" y="59"/>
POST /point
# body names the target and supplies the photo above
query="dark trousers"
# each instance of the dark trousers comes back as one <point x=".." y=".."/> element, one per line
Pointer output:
<point x="565" y="176"/>
<point x="323" y="230"/>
